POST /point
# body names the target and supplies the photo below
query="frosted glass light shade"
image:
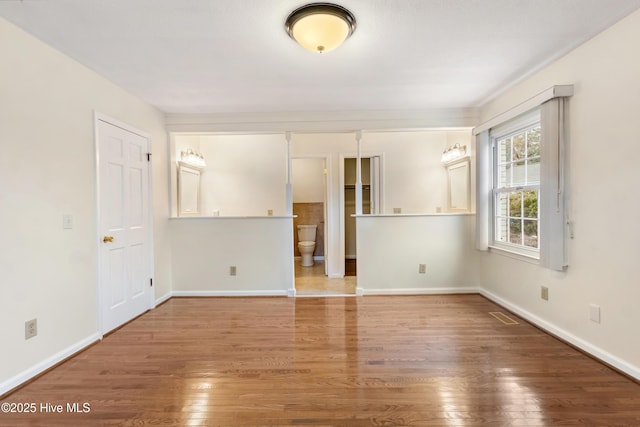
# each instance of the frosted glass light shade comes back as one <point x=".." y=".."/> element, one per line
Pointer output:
<point x="320" y="27"/>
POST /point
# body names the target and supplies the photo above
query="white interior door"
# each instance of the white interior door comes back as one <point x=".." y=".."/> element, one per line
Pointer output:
<point x="123" y="174"/>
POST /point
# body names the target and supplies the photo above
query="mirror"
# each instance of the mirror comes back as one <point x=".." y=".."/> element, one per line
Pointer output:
<point x="458" y="194"/>
<point x="188" y="190"/>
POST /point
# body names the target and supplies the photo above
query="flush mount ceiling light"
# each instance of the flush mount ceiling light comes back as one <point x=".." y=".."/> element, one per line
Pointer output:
<point x="320" y="27"/>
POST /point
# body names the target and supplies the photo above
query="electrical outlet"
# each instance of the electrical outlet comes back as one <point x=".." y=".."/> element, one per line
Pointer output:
<point x="232" y="270"/>
<point x="544" y="293"/>
<point x="422" y="268"/>
<point x="397" y="210"/>
<point x="270" y="212"/>
<point x="30" y="328"/>
<point x="67" y="222"/>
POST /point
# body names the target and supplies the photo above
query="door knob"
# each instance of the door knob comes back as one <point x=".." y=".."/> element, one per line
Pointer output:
<point x="108" y="239"/>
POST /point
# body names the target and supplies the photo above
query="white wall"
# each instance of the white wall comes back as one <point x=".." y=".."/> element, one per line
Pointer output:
<point x="47" y="169"/>
<point x="307" y="177"/>
<point x="245" y="174"/>
<point x="414" y="178"/>
<point x="205" y="248"/>
<point x="391" y="248"/>
<point x="603" y="201"/>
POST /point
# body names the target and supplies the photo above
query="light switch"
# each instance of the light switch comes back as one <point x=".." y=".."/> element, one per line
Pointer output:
<point x="67" y="222"/>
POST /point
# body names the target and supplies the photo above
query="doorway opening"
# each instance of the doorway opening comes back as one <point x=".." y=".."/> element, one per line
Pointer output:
<point x="371" y="202"/>
<point x="309" y="178"/>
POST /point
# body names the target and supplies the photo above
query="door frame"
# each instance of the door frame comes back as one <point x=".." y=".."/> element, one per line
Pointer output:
<point x="100" y="117"/>
<point x="379" y="191"/>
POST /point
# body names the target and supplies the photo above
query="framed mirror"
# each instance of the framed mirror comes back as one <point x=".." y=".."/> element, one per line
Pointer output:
<point x="188" y="190"/>
<point x="458" y="195"/>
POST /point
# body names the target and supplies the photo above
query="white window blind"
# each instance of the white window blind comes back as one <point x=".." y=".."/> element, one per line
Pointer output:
<point x="553" y="220"/>
<point x="483" y="190"/>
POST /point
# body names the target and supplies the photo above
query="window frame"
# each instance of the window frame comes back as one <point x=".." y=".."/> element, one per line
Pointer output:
<point x="510" y="128"/>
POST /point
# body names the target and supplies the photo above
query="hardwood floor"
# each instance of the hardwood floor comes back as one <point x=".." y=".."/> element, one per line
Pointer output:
<point x="370" y="361"/>
<point x="350" y="267"/>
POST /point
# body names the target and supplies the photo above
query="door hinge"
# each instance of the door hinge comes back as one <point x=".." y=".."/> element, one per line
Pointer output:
<point x="148" y="157"/>
<point x="150" y="282"/>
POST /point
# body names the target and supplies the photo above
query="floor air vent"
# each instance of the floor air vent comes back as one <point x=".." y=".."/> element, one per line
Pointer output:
<point x="503" y="318"/>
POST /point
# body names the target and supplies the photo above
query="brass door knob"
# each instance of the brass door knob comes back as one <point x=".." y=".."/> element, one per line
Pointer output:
<point x="107" y="239"/>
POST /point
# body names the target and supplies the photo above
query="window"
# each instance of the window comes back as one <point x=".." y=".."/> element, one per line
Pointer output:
<point x="520" y="181"/>
<point x="516" y="185"/>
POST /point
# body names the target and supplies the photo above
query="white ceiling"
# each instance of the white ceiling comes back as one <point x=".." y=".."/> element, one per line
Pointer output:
<point x="230" y="56"/>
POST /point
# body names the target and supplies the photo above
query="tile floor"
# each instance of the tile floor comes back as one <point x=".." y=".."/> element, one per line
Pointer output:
<point x="312" y="281"/>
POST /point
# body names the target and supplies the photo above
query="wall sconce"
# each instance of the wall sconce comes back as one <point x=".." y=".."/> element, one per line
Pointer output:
<point x="454" y="152"/>
<point x="192" y="158"/>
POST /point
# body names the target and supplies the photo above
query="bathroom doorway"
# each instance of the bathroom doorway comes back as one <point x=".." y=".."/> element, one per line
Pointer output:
<point x="371" y="202"/>
<point x="309" y="188"/>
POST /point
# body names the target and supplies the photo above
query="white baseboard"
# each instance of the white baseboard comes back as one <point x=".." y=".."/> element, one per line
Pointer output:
<point x="359" y="292"/>
<point x="418" y="291"/>
<point x="320" y="295"/>
<point x="597" y="352"/>
<point x="26" y="375"/>
<point x="291" y="292"/>
<point x="163" y="298"/>
<point x="248" y="293"/>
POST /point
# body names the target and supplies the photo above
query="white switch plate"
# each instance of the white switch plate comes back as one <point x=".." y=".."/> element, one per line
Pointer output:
<point x="67" y="222"/>
<point x="544" y="293"/>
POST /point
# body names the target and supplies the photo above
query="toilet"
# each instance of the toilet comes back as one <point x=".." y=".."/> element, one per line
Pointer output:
<point x="307" y="243"/>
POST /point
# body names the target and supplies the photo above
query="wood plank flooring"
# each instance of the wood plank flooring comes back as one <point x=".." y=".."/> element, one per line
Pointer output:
<point x="369" y="361"/>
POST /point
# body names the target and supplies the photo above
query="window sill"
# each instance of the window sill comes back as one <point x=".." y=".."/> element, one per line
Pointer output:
<point x="531" y="259"/>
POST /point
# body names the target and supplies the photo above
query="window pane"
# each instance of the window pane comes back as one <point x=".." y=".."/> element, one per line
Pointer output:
<point x="515" y="231"/>
<point x="533" y="171"/>
<point x="530" y="204"/>
<point x="533" y="142"/>
<point x="519" y="147"/>
<point x="516" y="213"/>
<point x="501" y="230"/>
<point x="515" y="204"/>
<point x="519" y="173"/>
<point x="531" y="233"/>
<point x="504" y="150"/>
<point x="502" y="205"/>
<point x="504" y="175"/>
